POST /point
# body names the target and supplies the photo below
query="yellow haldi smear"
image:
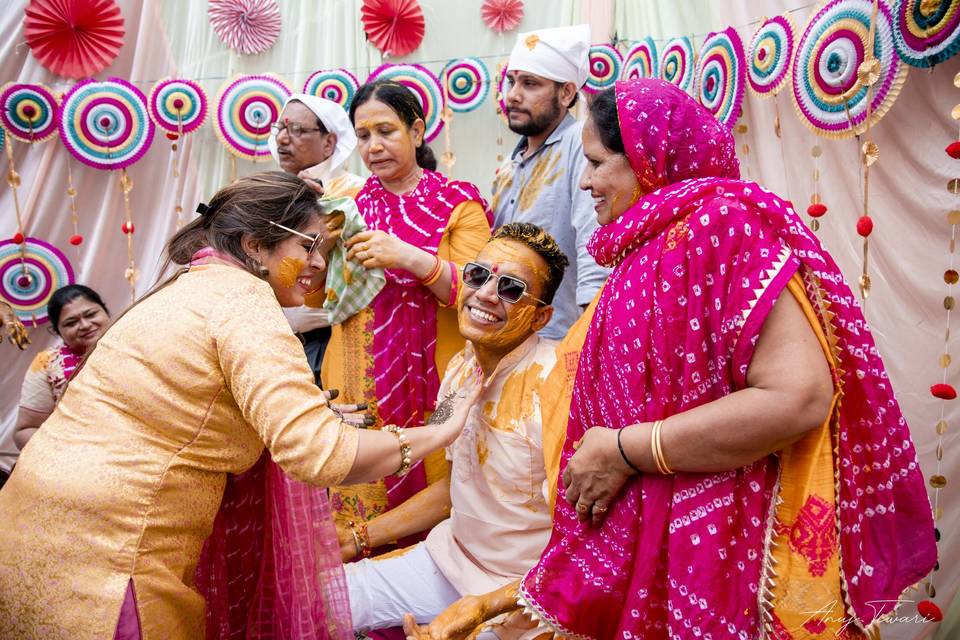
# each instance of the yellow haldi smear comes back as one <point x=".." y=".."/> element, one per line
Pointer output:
<point x="288" y="271"/>
<point x="516" y="327"/>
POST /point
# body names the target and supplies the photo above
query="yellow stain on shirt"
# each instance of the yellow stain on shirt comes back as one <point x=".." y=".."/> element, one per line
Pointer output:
<point x="501" y="183"/>
<point x="545" y="173"/>
<point x="482" y="451"/>
<point x="517" y="402"/>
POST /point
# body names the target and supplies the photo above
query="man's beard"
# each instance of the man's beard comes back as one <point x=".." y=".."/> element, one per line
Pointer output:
<point x="538" y="125"/>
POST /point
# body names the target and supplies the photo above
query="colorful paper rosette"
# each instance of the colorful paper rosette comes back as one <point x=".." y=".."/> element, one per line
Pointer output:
<point x="105" y="124"/>
<point x="178" y="105"/>
<point x="676" y="63"/>
<point x="336" y="85"/>
<point x="927" y="32"/>
<point x="828" y="96"/>
<point x="246" y="107"/>
<point x="721" y="75"/>
<point x="605" y="66"/>
<point x="28" y="111"/>
<point x="425" y="86"/>
<point x="770" y="55"/>
<point x="641" y="60"/>
<point x="29" y="275"/>
<point x="467" y="83"/>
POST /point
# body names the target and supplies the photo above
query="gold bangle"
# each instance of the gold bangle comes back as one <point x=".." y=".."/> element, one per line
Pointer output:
<point x="361" y="538"/>
<point x="405" y="460"/>
<point x="434" y="274"/>
<point x="656" y="443"/>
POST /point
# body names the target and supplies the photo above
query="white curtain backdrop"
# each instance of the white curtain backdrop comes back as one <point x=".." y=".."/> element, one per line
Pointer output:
<point x="909" y="248"/>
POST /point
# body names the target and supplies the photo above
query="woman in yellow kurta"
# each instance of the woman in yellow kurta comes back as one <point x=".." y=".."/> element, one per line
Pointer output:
<point x="115" y="494"/>
<point x="423" y="227"/>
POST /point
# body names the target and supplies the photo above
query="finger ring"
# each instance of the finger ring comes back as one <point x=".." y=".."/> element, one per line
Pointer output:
<point x="598" y="508"/>
<point x="581" y="508"/>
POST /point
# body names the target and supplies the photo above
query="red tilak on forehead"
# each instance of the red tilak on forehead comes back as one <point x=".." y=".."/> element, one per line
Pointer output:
<point x="495" y="268"/>
<point x="286" y="120"/>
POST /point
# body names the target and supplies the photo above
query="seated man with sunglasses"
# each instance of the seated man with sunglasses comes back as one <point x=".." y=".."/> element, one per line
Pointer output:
<point x="491" y="515"/>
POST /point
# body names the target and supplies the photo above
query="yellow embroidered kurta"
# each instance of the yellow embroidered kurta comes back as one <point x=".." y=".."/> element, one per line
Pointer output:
<point x="348" y="361"/>
<point x="125" y="478"/>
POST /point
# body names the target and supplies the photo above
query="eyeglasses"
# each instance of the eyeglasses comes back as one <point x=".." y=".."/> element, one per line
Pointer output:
<point x="509" y="289"/>
<point x="315" y="239"/>
<point x="295" y="129"/>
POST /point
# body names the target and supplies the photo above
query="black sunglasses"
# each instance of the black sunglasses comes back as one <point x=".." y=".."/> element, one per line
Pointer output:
<point x="509" y="289"/>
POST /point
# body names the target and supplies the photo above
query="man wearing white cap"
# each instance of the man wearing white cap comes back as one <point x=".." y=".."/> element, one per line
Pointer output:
<point x="313" y="140"/>
<point x="539" y="182"/>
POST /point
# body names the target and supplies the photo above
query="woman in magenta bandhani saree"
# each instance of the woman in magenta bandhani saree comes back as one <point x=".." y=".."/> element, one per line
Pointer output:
<point x="817" y="539"/>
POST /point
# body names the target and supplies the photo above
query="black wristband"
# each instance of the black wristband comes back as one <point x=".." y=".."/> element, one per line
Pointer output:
<point x="623" y="454"/>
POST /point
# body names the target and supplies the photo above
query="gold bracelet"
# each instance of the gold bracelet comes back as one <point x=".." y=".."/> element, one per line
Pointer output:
<point x="361" y="538"/>
<point x="434" y="274"/>
<point x="657" y="445"/>
<point x="405" y="460"/>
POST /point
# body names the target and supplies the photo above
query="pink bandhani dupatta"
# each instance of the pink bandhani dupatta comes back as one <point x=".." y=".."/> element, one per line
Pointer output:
<point x="271" y="569"/>
<point x="405" y="312"/>
<point x="697" y="266"/>
<point x="69" y="360"/>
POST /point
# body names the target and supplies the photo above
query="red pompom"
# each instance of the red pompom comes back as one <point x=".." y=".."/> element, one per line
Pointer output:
<point x="953" y="149"/>
<point x="171" y="135"/>
<point x="816" y="210"/>
<point x="865" y="226"/>
<point x="76" y="239"/>
<point x="929" y="610"/>
<point x="18" y="238"/>
<point x="943" y="391"/>
<point x="128" y="227"/>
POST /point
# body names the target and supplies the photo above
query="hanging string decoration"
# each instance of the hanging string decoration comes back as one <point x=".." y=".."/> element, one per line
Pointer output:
<point x="817" y="208"/>
<point x="502" y="88"/>
<point x="246" y="107"/>
<point x="676" y="63"/>
<point x="641" y="60"/>
<point x="467" y="83"/>
<point x="104" y="124"/>
<point x="927" y="32"/>
<point x="30" y="273"/>
<point x="831" y="85"/>
<point x="770" y="54"/>
<point x="424" y="84"/>
<point x="606" y="63"/>
<point x="395" y="27"/>
<point x="28" y="111"/>
<point x="76" y="39"/>
<point x="246" y="26"/>
<point x="721" y="75"/>
<point x="336" y="85"/>
<point x="502" y="15"/>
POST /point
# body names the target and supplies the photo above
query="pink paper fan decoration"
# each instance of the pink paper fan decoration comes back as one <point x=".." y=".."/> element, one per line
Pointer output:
<point x="502" y="15"/>
<point x="247" y="26"/>
<point x="395" y="27"/>
<point x="74" y="38"/>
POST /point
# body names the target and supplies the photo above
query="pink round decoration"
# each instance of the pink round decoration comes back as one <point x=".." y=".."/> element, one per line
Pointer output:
<point x="247" y="26"/>
<point x="502" y="15"/>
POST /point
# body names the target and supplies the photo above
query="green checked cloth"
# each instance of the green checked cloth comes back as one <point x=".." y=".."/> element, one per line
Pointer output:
<point x="350" y="287"/>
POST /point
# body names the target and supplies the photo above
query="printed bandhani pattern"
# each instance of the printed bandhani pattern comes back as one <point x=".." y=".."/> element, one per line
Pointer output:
<point x="927" y="32"/>
<point x="30" y="275"/>
<point x="246" y="107"/>
<point x="721" y="75"/>
<point x="676" y="63"/>
<point x="104" y="124"/>
<point x="605" y="65"/>
<point x="178" y="105"/>
<point x="827" y="93"/>
<point x="28" y="111"/>
<point x="467" y="83"/>
<point x="336" y="85"/>
<point x="641" y="61"/>
<point x="424" y="84"/>
<point x="771" y="52"/>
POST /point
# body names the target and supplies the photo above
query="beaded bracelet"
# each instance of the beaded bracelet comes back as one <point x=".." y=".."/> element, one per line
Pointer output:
<point x="361" y="539"/>
<point x="405" y="460"/>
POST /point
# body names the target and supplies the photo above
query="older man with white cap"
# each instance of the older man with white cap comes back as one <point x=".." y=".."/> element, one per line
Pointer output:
<point x="539" y="182"/>
<point x="314" y="139"/>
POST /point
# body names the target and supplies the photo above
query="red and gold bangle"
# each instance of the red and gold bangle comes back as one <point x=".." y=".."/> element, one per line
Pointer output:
<point x="434" y="274"/>
<point x="454" y="285"/>
<point x="361" y="539"/>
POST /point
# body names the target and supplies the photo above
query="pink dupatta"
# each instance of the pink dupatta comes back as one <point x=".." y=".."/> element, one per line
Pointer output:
<point x="697" y="265"/>
<point x="405" y="312"/>
<point x="271" y="569"/>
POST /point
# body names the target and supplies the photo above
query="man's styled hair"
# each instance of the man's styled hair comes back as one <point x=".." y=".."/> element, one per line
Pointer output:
<point x="544" y="245"/>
